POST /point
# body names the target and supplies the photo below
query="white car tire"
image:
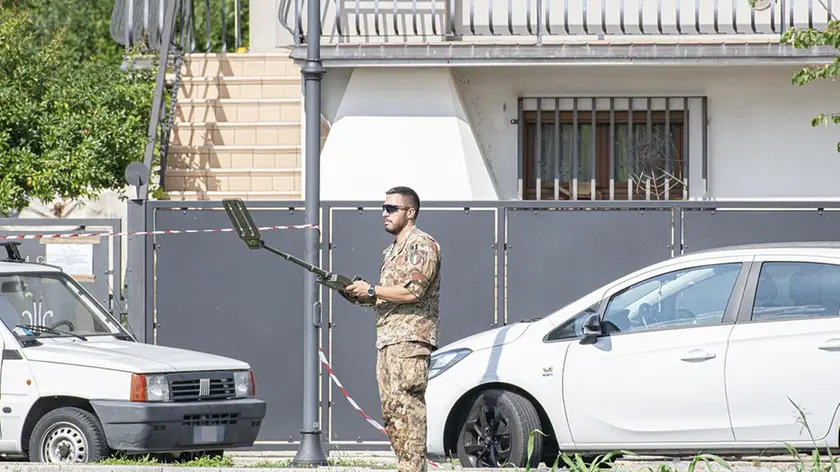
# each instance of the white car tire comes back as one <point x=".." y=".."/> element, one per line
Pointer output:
<point x="494" y="431"/>
<point x="68" y="435"/>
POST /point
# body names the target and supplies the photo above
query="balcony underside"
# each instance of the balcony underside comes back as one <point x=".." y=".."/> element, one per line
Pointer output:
<point x="580" y="53"/>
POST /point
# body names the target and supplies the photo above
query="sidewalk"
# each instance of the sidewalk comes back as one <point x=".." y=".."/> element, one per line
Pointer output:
<point x="385" y="461"/>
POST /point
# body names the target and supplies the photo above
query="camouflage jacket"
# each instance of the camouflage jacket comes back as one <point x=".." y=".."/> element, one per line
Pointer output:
<point x="413" y="263"/>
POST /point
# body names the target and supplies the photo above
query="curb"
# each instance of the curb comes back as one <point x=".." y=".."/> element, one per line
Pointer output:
<point x="621" y="466"/>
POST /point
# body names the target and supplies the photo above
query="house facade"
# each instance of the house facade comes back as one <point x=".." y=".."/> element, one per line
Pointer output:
<point x="494" y="100"/>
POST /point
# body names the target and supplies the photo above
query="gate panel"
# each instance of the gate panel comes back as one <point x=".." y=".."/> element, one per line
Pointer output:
<point x="467" y="299"/>
<point x="706" y="229"/>
<point x="557" y="256"/>
<point x="215" y="295"/>
<point x="88" y="259"/>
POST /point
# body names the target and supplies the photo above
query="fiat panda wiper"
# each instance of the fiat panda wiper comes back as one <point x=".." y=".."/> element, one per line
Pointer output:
<point x="47" y="329"/>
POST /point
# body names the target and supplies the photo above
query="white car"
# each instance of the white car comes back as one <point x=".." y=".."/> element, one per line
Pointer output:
<point x="709" y="352"/>
<point x="75" y="386"/>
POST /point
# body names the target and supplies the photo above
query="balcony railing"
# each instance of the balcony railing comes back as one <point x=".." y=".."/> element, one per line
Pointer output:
<point x="537" y="21"/>
<point x="209" y="26"/>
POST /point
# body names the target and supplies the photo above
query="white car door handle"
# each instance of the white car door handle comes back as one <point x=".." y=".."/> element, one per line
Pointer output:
<point x="831" y="345"/>
<point x="698" y="355"/>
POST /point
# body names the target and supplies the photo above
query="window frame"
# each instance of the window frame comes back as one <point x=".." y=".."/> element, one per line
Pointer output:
<point x="527" y="159"/>
<point x="748" y="301"/>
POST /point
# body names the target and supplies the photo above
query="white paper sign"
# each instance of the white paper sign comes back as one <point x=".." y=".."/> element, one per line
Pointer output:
<point x="74" y="259"/>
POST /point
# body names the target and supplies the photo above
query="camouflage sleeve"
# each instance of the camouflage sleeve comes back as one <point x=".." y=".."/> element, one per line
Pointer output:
<point x="366" y="301"/>
<point x="423" y="260"/>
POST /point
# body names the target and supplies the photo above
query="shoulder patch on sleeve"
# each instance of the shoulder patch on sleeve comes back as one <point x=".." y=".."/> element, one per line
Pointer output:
<point x="415" y="257"/>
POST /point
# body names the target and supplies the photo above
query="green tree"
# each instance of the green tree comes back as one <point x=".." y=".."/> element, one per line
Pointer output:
<point x="69" y="125"/>
<point x="86" y="26"/>
<point x="806" y="38"/>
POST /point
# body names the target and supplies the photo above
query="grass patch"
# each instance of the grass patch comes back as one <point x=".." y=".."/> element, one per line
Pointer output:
<point x="151" y="460"/>
<point x="227" y="461"/>
<point x="605" y="463"/>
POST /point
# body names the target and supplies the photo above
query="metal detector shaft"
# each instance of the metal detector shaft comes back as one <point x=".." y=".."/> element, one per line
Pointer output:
<point x="311" y="268"/>
<point x="327" y="279"/>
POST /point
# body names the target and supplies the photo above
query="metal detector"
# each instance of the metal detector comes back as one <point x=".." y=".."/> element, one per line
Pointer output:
<point x="250" y="233"/>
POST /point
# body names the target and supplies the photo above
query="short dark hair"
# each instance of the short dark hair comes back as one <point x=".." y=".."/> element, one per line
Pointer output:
<point x="410" y="194"/>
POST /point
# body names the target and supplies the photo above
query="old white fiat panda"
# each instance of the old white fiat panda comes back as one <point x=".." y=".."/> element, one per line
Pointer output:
<point x="75" y="386"/>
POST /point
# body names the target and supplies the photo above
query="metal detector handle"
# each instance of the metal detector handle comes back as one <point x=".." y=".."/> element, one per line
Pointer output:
<point x="338" y="283"/>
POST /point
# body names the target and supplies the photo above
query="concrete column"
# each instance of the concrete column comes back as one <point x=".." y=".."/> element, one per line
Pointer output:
<point x="403" y="126"/>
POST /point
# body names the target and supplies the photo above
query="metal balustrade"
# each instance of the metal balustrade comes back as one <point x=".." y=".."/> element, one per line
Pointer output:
<point x="400" y="21"/>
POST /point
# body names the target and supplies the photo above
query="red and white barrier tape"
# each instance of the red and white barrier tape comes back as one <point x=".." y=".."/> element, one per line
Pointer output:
<point x="143" y="233"/>
<point x="356" y="405"/>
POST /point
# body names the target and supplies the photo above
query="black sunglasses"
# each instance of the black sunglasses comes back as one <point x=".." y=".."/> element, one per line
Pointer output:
<point x="392" y="208"/>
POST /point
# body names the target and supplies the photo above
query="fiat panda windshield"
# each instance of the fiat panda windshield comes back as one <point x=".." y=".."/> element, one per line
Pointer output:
<point x="52" y="305"/>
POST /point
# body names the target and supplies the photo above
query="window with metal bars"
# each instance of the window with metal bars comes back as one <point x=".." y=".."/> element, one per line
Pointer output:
<point x="571" y="154"/>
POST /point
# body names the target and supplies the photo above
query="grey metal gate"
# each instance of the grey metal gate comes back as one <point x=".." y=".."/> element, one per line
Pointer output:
<point x="356" y="239"/>
<point x="214" y="295"/>
<point x="503" y="262"/>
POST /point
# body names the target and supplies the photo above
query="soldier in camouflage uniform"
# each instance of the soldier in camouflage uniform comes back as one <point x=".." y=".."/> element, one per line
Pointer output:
<point x="406" y="304"/>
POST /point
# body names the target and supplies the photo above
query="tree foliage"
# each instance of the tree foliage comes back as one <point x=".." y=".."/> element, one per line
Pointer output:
<point x="70" y="122"/>
<point x="85" y="25"/>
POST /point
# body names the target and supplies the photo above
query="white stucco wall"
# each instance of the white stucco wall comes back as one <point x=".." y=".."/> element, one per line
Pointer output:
<point x="401" y="127"/>
<point x="266" y="33"/>
<point x="760" y="144"/>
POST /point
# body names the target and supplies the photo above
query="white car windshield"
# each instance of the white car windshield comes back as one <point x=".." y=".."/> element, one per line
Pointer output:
<point x="49" y="305"/>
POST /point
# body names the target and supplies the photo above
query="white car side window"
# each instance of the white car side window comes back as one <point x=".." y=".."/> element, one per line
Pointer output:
<point x="696" y="296"/>
<point x="797" y="290"/>
<point x="573" y="328"/>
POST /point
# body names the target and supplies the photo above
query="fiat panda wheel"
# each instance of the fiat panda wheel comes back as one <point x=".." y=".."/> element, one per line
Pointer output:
<point x="68" y="435"/>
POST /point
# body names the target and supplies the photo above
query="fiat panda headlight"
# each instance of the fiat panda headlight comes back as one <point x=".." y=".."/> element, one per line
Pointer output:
<point x="149" y="388"/>
<point x="243" y="382"/>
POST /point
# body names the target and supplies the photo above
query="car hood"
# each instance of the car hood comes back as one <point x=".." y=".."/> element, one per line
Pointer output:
<point x="491" y="338"/>
<point x="127" y="356"/>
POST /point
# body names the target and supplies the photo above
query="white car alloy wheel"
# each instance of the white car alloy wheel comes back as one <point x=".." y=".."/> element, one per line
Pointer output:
<point x="494" y="432"/>
<point x="68" y="435"/>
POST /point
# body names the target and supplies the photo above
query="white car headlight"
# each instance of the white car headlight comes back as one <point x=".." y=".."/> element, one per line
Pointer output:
<point x="441" y="361"/>
<point x="149" y="388"/>
<point x="244" y="383"/>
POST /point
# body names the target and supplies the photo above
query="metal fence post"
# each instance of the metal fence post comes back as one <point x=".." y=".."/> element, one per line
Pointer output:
<point x="310" y="451"/>
<point x="136" y="269"/>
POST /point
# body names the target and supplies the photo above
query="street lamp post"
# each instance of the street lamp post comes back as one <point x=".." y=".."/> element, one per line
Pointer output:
<point x="310" y="452"/>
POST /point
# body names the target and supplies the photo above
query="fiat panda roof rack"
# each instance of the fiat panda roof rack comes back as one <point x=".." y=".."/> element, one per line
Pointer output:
<point x="12" y="251"/>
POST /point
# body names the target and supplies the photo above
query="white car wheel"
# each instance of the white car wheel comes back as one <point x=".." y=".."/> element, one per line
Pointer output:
<point x="495" y="430"/>
<point x="68" y="435"/>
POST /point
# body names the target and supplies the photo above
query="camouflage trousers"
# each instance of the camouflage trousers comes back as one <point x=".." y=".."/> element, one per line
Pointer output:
<point x="402" y="374"/>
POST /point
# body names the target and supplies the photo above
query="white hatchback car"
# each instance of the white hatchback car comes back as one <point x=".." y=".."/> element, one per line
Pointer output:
<point x="75" y="386"/>
<point x="713" y="351"/>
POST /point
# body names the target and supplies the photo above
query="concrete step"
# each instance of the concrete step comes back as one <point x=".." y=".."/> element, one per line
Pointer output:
<point x="232" y="157"/>
<point x="240" y="87"/>
<point x="245" y="195"/>
<point x="246" y="133"/>
<point x="239" y="65"/>
<point x="238" y="109"/>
